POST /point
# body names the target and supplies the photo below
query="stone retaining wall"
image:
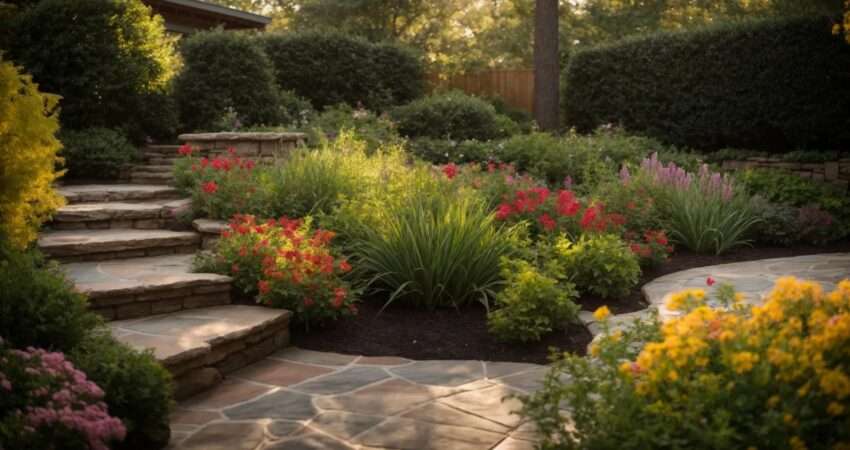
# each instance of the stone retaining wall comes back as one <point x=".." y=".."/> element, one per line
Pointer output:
<point x="261" y="147"/>
<point x="836" y="172"/>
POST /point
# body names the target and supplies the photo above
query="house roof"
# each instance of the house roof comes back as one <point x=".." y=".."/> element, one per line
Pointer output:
<point x="186" y="16"/>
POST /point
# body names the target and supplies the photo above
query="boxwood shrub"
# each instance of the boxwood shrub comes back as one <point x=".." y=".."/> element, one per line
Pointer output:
<point x="95" y="152"/>
<point x="452" y="115"/>
<point x="329" y="69"/>
<point x="770" y="85"/>
<point x="225" y="70"/>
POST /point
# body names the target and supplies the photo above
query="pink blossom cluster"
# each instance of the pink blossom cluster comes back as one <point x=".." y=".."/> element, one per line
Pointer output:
<point x="66" y="398"/>
<point x="671" y="175"/>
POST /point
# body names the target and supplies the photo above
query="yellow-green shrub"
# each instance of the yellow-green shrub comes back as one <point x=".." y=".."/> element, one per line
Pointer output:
<point x="28" y="146"/>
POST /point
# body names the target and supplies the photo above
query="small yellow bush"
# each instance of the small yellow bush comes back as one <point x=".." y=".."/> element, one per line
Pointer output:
<point x="28" y="146"/>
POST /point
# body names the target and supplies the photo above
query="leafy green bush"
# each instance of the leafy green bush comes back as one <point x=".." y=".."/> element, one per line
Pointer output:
<point x="532" y="303"/>
<point x="28" y="148"/>
<point x="103" y="57"/>
<point x="435" y="249"/>
<point x="138" y="388"/>
<point x="521" y="117"/>
<point x="329" y="69"/>
<point x="295" y="110"/>
<point x="96" y="152"/>
<point x="602" y="264"/>
<point x="38" y="306"/>
<point x="377" y="131"/>
<point x="786" y="188"/>
<point x="223" y="69"/>
<point x="737" y="85"/>
<point x="585" y="159"/>
<point x="443" y="151"/>
<point x="453" y="115"/>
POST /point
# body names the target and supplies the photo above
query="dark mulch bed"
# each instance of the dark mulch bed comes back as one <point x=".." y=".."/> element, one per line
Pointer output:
<point x="462" y="334"/>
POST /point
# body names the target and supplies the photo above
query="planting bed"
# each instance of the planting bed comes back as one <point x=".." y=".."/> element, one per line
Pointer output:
<point x="462" y="334"/>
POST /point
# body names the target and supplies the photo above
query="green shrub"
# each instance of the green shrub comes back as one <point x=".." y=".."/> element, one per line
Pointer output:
<point x="28" y="147"/>
<point x="532" y="303"/>
<point x="295" y="110"/>
<point x="453" y="115"/>
<point x="601" y="265"/>
<point x="585" y="159"/>
<point x="221" y="70"/>
<point x="138" y="388"/>
<point x="104" y="57"/>
<point x="375" y="130"/>
<point x="435" y="249"/>
<point x="786" y="188"/>
<point x="329" y="69"/>
<point x="223" y="186"/>
<point x="38" y="306"/>
<point x="96" y="153"/>
<point x="738" y="85"/>
<point x="521" y="117"/>
<point x="443" y="151"/>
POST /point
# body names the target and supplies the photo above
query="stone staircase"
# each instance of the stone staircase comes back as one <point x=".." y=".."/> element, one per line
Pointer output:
<point x="123" y="245"/>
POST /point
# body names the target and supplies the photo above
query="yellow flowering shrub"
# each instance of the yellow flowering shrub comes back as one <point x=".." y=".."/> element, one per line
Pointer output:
<point x="771" y="376"/>
<point x="28" y="147"/>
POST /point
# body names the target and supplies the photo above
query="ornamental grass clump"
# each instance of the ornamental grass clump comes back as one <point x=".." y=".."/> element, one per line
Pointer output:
<point x="438" y="248"/>
<point x="287" y="264"/>
<point x="771" y="376"/>
<point x="47" y="403"/>
<point x="704" y="212"/>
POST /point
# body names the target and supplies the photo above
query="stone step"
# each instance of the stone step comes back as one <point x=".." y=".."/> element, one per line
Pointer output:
<point x="138" y="287"/>
<point x="90" y="193"/>
<point x="151" y="178"/>
<point x="200" y="346"/>
<point x="152" y="215"/>
<point x="210" y="231"/>
<point x="101" y="245"/>
<point x="159" y="160"/>
<point x="161" y="149"/>
<point x="152" y="168"/>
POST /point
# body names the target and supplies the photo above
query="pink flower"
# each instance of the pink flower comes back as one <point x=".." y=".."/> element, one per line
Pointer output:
<point x="710" y="281"/>
<point x="450" y="170"/>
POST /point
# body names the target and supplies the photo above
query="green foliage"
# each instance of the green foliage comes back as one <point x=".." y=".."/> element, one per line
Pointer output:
<point x="601" y="265"/>
<point x="532" y="303"/>
<point x="332" y="68"/>
<point x="521" y="117"/>
<point x="453" y="115"/>
<point x="96" y="152"/>
<point x="786" y="188"/>
<point x="28" y="146"/>
<point x="225" y="69"/>
<point x="736" y="85"/>
<point x="443" y="151"/>
<point x="802" y="156"/>
<point x="585" y="159"/>
<point x="294" y="109"/>
<point x="104" y="57"/>
<point x="434" y="249"/>
<point x="705" y="223"/>
<point x="138" y="388"/>
<point x="376" y="130"/>
<point x="38" y="306"/>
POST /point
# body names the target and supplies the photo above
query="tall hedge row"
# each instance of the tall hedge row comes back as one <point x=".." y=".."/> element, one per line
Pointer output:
<point x="774" y="85"/>
<point x="329" y="69"/>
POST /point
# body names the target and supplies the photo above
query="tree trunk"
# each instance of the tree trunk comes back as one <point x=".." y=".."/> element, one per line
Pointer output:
<point x="546" y="70"/>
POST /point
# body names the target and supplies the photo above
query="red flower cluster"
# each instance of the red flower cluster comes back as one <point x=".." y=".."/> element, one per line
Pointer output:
<point x="185" y="150"/>
<point x="450" y="170"/>
<point x="289" y="264"/>
<point x="560" y="211"/>
<point x="653" y="249"/>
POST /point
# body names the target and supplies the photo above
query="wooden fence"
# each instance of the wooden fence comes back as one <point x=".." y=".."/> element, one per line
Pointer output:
<point x="516" y="87"/>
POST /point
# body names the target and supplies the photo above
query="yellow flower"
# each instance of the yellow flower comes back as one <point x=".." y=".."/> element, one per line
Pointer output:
<point x="773" y="401"/>
<point x="744" y="361"/>
<point x="836" y="383"/>
<point x="602" y="313"/>
<point x="836" y="29"/>
<point x="835" y="409"/>
<point x="797" y="443"/>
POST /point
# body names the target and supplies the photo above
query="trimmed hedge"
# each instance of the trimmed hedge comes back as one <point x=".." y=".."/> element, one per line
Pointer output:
<point x="225" y="69"/>
<point x="329" y="69"/>
<point x="774" y="85"/>
<point x="110" y="60"/>
<point x="453" y="115"/>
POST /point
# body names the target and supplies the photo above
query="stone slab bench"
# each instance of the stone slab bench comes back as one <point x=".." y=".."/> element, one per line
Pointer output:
<point x="261" y="147"/>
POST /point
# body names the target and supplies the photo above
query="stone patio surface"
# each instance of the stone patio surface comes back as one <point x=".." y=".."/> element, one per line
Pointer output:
<point x="300" y="399"/>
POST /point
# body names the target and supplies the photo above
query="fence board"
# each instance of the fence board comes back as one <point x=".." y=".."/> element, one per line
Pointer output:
<point x="515" y="87"/>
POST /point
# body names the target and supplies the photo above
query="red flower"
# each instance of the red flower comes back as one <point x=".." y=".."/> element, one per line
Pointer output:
<point x="210" y="187"/>
<point x="308" y="302"/>
<point x="225" y="234"/>
<point x="231" y="150"/>
<point x="589" y="217"/>
<point x="491" y="167"/>
<point x="185" y="150"/>
<point x="263" y="286"/>
<point x="567" y="205"/>
<point x="234" y="268"/>
<point x="503" y="212"/>
<point x="340" y="293"/>
<point x="547" y="222"/>
<point x="710" y="281"/>
<point x="450" y="170"/>
<point x="344" y="266"/>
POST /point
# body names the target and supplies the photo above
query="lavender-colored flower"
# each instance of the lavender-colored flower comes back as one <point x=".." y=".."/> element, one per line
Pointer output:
<point x="568" y="182"/>
<point x="625" y="176"/>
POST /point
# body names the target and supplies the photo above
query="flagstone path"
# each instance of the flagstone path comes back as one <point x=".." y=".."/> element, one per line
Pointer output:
<point x="299" y="399"/>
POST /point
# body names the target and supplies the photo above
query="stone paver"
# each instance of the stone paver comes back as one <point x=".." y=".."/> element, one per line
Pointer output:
<point x="314" y="400"/>
<point x="116" y="192"/>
